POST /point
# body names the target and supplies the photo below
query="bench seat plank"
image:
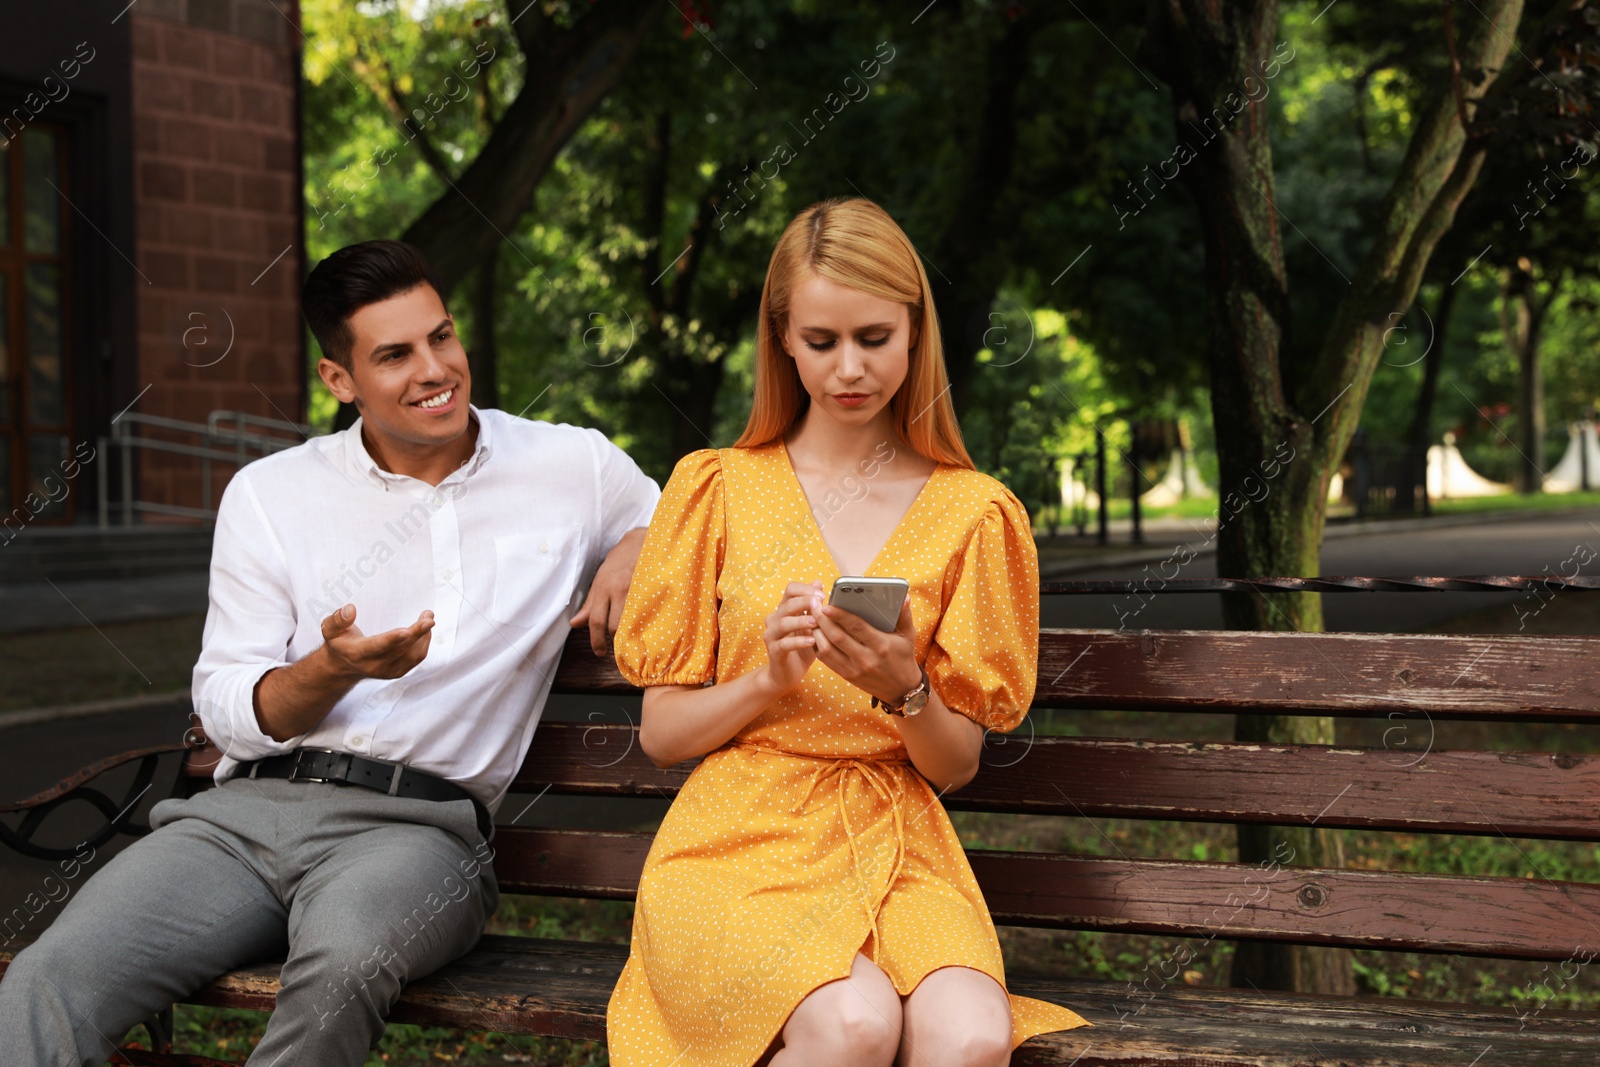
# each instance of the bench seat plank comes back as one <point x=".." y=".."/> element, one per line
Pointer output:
<point x="146" y="1058"/>
<point x="1214" y="1027"/>
<point x="1408" y="788"/>
<point x="1517" y="918"/>
<point x="517" y="985"/>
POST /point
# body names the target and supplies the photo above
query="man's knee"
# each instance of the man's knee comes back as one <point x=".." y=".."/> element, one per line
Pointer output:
<point x="345" y="976"/>
<point x="365" y="934"/>
<point x="49" y="966"/>
<point x="46" y="997"/>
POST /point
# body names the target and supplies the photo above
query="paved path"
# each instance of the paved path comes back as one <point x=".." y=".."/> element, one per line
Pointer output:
<point x="1522" y="544"/>
<point x="1467" y="544"/>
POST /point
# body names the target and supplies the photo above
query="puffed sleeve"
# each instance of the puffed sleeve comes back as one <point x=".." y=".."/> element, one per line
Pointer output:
<point x="984" y="657"/>
<point x="668" y="633"/>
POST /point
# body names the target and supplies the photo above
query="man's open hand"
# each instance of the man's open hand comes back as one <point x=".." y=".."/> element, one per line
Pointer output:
<point x="602" y="608"/>
<point x="289" y="701"/>
<point x="386" y="655"/>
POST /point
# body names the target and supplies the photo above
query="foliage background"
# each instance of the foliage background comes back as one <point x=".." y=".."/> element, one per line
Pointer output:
<point x="584" y="335"/>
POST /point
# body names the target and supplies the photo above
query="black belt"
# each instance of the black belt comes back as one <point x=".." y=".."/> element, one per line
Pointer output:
<point x="395" y="779"/>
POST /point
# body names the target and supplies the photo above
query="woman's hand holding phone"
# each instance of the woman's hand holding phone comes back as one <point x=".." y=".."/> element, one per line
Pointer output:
<point x="803" y="629"/>
<point x="791" y="648"/>
<point x="881" y="664"/>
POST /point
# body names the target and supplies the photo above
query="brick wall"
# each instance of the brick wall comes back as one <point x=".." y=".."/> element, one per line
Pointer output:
<point x="218" y="218"/>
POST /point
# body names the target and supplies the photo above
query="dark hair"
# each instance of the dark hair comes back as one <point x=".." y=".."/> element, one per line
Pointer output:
<point x="353" y="277"/>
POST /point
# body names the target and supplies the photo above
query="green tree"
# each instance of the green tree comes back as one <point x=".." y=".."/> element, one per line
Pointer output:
<point x="1285" y="409"/>
<point x="481" y="98"/>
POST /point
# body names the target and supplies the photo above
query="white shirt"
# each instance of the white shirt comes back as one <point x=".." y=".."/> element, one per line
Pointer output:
<point x="500" y="552"/>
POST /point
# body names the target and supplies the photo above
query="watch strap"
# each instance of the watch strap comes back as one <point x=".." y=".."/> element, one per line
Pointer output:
<point x="898" y="707"/>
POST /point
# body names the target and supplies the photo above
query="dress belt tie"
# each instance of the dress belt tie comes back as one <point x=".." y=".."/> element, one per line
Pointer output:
<point x="882" y="784"/>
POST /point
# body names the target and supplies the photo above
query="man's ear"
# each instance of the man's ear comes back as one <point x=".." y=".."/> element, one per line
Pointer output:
<point x="339" y="381"/>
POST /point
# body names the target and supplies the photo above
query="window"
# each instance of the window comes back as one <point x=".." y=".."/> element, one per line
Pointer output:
<point x="34" y="405"/>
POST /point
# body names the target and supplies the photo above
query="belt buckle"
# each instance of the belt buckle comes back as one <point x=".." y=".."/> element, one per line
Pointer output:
<point x="295" y="774"/>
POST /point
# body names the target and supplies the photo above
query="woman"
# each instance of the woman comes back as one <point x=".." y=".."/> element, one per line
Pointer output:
<point x="806" y="896"/>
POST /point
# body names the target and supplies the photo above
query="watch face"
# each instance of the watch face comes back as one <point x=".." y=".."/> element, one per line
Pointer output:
<point x="915" y="703"/>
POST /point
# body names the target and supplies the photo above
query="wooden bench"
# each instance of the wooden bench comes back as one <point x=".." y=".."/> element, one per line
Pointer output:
<point x="519" y="985"/>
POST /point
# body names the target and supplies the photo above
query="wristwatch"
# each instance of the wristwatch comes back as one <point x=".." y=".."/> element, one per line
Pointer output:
<point x="910" y="704"/>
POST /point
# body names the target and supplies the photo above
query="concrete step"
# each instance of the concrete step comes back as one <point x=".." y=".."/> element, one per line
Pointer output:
<point x="81" y="553"/>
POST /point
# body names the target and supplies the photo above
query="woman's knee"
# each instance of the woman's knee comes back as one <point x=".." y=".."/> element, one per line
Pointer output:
<point x="958" y="1017"/>
<point x="855" y="1020"/>
<point x="973" y="1043"/>
<point x="864" y="1032"/>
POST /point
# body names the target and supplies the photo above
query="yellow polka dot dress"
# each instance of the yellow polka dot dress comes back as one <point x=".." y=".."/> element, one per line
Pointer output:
<point x="811" y="837"/>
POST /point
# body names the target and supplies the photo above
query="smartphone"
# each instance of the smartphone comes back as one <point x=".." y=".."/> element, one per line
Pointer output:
<point x="877" y="600"/>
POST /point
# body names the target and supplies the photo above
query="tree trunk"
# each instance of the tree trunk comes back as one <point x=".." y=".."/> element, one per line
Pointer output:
<point x="692" y="387"/>
<point x="967" y="274"/>
<point x="1418" y="435"/>
<point x="969" y="261"/>
<point x="1283" y="420"/>
<point x="483" y="359"/>
<point x="569" y="70"/>
<point x="689" y="381"/>
<point x="1523" y="322"/>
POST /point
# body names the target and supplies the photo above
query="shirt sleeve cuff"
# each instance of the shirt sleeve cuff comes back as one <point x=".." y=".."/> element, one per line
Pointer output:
<point x="227" y="711"/>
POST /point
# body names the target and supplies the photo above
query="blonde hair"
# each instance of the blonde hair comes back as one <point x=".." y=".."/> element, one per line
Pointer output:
<point x="855" y="243"/>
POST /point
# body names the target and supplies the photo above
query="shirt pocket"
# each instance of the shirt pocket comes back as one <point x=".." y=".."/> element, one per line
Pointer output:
<point x="533" y="571"/>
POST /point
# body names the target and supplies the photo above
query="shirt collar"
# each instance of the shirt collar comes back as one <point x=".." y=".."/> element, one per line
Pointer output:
<point x="359" y="460"/>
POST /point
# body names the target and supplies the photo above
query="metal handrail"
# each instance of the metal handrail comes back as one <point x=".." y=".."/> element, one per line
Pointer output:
<point x="1466" y="583"/>
<point x="242" y="447"/>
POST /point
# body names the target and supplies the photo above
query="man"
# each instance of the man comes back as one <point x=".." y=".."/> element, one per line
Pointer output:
<point x="384" y="623"/>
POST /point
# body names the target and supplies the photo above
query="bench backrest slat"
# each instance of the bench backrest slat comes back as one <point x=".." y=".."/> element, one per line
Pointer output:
<point x="1509" y="917"/>
<point x="1406" y="788"/>
<point x="1535" y="679"/>
<point x="1413" y="679"/>
<point x="1543" y="679"/>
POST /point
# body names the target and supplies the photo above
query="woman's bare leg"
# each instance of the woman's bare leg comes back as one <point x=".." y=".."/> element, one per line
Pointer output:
<point x="854" y="1020"/>
<point x="956" y="1017"/>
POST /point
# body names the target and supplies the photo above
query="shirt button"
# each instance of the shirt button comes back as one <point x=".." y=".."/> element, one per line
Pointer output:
<point x="448" y="574"/>
<point x="357" y="741"/>
<point x="544" y="546"/>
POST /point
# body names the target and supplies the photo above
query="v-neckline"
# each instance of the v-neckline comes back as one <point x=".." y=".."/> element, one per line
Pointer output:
<point x="816" y="528"/>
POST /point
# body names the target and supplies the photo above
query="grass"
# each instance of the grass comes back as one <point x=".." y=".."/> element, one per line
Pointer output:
<point x="65" y="666"/>
<point x="1202" y="507"/>
<point x="1515" y="502"/>
<point x="79" y="665"/>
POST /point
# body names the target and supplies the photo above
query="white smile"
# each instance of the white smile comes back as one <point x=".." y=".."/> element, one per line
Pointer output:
<point x="438" y="401"/>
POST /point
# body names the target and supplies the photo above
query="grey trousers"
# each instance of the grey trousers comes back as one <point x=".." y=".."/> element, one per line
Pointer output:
<point x="363" y="892"/>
